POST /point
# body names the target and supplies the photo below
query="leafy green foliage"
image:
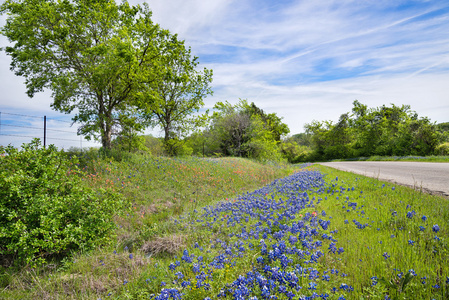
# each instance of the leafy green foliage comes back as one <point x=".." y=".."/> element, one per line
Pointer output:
<point x="242" y="130"/>
<point x="294" y="152"/>
<point x="96" y="56"/>
<point x="377" y="131"/>
<point x="45" y="209"/>
<point x="443" y="130"/>
<point x="442" y="149"/>
<point x="180" y="93"/>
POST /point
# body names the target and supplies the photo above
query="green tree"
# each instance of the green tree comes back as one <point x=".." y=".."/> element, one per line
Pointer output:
<point x="260" y="142"/>
<point x="301" y="139"/>
<point x="245" y="130"/>
<point x="180" y="93"/>
<point x="94" y="55"/>
<point x="272" y="122"/>
<point x="443" y="132"/>
<point x="395" y="130"/>
<point x="230" y="125"/>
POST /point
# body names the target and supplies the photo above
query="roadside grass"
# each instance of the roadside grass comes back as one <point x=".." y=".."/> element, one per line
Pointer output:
<point x="389" y="231"/>
<point x="231" y="229"/>
<point x="158" y="189"/>
<point x="431" y="158"/>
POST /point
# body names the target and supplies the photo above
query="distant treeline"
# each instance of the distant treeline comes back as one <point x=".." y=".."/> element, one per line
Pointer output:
<point x="380" y="131"/>
<point x="244" y="130"/>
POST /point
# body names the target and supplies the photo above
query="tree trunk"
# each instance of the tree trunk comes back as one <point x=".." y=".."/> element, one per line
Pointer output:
<point x="106" y="138"/>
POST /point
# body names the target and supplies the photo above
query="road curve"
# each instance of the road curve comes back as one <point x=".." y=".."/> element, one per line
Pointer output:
<point x="431" y="177"/>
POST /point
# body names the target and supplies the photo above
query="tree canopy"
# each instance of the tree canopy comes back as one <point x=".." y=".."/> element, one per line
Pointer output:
<point x="180" y="92"/>
<point x="96" y="56"/>
<point x="242" y="130"/>
<point x="395" y="130"/>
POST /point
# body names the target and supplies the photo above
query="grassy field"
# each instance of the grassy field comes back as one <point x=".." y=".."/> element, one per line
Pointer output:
<point x="235" y="229"/>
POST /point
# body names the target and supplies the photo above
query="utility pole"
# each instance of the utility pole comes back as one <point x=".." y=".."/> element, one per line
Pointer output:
<point x="45" y="129"/>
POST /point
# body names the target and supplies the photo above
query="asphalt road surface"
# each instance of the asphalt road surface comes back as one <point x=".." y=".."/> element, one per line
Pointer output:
<point x="431" y="177"/>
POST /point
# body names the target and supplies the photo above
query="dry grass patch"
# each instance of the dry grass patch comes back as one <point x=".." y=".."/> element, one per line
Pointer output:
<point x="167" y="244"/>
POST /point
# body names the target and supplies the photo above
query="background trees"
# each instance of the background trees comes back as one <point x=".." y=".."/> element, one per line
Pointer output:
<point x="102" y="61"/>
<point x="383" y="131"/>
<point x="242" y="130"/>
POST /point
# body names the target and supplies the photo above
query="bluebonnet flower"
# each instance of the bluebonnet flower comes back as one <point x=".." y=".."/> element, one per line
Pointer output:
<point x="435" y="228"/>
<point x="411" y="242"/>
<point x="185" y="257"/>
<point x="422" y="228"/>
<point x="196" y="268"/>
<point x="424" y="218"/>
<point x="265" y="292"/>
<point x="169" y="294"/>
<point x="312" y="286"/>
<point x="385" y="255"/>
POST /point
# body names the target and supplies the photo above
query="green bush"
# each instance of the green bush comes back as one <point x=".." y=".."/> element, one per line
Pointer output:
<point x="46" y="209"/>
<point x="442" y="149"/>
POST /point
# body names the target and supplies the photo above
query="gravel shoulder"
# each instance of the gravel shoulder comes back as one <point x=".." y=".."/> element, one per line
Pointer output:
<point x="430" y="177"/>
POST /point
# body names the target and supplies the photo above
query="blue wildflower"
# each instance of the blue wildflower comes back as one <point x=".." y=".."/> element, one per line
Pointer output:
<point x="435" y="228"/>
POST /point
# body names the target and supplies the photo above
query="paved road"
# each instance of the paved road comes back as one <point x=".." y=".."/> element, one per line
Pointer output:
<point x="432" y="177"/>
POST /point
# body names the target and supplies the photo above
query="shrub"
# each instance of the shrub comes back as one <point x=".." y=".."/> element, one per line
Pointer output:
<point x="442" y="149"/>
<point x="45" y="209"/>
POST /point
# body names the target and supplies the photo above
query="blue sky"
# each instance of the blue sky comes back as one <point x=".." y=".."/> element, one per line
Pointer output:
<point x="304" y="60"/>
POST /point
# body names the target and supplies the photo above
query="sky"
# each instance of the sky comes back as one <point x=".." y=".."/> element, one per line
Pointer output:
<point x="303" y="60"/>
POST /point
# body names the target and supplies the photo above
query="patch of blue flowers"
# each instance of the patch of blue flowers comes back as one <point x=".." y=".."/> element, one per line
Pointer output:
<point x="276" y="230"/>
<point x="279" y="228"/>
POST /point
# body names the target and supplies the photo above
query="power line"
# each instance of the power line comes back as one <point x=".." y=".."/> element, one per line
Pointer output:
<point x="45" y="129"/>
<point x="60" y="120"/>
<point x="40" y="128"/>
<point x="20" y="126"/>
<point x="20" y="115"/>
<point x="28" y="116"/>
<point x="59" y="139"/>
<point x="27" y="136"/>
